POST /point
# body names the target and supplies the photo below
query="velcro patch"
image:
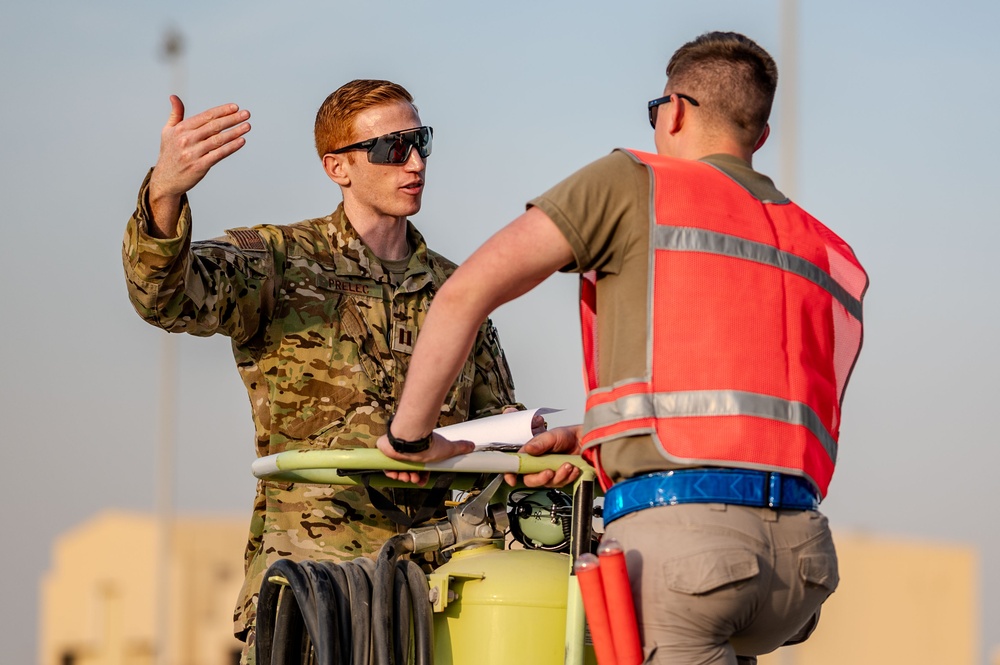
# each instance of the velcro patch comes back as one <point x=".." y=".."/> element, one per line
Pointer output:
<point x="364" y="288"/>
<point x="402" y="338"/>
<point x="247" y="239"/>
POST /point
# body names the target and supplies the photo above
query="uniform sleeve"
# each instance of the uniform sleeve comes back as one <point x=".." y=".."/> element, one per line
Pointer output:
<point x="493" y="386"/>
<point x="203" y="288"/>
<point x="598" y="210"/>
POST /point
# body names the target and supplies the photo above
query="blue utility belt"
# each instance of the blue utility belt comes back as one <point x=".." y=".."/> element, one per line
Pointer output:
<point x="741" y="487"/>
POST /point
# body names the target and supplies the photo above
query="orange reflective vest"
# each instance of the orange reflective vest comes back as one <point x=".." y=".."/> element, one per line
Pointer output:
<point x="754" y="317"/>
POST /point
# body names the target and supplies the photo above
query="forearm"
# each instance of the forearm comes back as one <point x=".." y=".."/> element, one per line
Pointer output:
<point x="194" y="288"/>
<point x="165" y="211"/>
<point x="157" y="282"/>
<point x="511" y="263"/>
<point x="450" y="330"/>
<point x="153" y="265"/>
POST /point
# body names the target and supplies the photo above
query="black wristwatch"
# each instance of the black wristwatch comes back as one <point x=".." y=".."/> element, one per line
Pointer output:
<point x="406" y="447"/>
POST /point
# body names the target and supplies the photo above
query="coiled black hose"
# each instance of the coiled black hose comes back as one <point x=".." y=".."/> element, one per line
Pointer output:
<point x="391" y="610"/>
<point x="342" y="613"/>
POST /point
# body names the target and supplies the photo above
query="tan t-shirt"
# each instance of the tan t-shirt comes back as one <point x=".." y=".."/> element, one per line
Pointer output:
<point x="603" y="210"/>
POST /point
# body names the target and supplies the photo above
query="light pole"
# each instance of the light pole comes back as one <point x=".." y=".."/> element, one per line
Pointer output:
<point x="172" y="51"/>
<point x="788" y="169"/>
<point x="788" y="97"/>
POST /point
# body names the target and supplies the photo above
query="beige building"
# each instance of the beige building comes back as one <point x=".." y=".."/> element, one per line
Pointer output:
<point x="898" y="602"/>
<point x="98" y="604"/>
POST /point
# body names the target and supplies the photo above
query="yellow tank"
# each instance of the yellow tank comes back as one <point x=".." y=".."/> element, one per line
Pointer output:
<point x="505" y="607"/>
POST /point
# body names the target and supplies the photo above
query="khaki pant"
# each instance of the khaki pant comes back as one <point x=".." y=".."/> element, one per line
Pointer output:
<point x="718" y="584"/>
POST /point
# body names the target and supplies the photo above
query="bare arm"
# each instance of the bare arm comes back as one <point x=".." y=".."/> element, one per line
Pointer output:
<point x="188" y="149"/>
<point x="511" y="263"/>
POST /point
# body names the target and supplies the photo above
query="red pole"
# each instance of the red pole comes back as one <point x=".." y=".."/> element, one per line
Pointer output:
<point x="588" y="573"/>
<point x="621" y="608"/>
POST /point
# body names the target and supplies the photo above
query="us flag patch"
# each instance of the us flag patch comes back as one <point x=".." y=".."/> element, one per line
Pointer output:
<point x="247" y="239"/>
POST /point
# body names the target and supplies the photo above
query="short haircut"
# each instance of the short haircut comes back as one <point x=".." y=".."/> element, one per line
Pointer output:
<point x="732" y="78"/>
<point x="335" y="119"/>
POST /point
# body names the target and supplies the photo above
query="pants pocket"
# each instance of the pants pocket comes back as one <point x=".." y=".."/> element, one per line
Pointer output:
<point x="819" y="569"/>
<point x="707" y="571"/>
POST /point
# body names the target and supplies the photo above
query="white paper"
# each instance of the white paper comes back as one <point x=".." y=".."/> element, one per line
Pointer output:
<point x="506" y="432"/>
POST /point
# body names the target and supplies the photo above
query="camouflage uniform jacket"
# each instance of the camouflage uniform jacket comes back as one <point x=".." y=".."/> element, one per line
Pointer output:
<point x="322" y="341"/>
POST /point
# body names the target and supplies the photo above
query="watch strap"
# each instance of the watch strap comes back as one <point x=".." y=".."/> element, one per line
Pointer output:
<point x="404" y="446"/>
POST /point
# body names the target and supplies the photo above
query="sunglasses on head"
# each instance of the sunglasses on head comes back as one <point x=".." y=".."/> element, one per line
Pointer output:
<point x="654" y="105"/>
<point x="394" y="147"/>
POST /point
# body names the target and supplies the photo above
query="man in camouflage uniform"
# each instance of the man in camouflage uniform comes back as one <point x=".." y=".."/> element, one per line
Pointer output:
<point x="323" y="314"/>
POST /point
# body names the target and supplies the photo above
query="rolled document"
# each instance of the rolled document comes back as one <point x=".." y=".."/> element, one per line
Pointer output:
<point x="506" y="432"/>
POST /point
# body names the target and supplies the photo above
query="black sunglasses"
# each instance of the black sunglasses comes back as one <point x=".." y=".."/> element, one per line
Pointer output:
<point x="655" y="104"/>
<point x="394" y="147"/>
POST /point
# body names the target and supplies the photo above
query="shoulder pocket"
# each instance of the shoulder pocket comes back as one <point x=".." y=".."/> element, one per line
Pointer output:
<point x="247" y="239"/>
<point x="251" y="264"/>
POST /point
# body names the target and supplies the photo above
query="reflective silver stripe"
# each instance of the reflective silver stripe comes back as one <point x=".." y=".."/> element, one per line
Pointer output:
<point x="697" y="403"/>
<point x="686" y="239"/>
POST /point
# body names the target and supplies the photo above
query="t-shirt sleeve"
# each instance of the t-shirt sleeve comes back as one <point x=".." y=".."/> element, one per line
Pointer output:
<point x="597" y="209"/>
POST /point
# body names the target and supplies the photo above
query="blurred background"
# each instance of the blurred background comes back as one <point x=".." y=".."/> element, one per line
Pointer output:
<point x="885" y="130"/>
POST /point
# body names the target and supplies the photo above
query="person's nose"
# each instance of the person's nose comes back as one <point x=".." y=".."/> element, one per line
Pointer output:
<point x="415" y="163"/>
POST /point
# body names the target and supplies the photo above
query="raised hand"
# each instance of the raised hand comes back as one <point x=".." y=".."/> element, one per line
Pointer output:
<point x="188" y="149"/>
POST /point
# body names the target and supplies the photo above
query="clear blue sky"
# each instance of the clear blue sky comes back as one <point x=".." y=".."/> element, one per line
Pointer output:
<point x="898" y="104"/>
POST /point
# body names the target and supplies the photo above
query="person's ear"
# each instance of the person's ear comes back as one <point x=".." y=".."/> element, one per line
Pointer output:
<point x="335" y="168"/>
<point x="674" y="115"/>
<point x="763" y="137"/>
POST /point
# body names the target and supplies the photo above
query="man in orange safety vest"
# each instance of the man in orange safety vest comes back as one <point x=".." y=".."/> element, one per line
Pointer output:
<point x="721" y="325"/>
